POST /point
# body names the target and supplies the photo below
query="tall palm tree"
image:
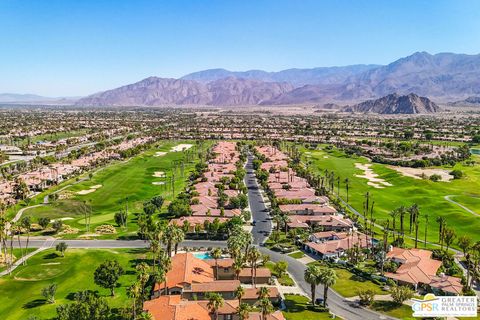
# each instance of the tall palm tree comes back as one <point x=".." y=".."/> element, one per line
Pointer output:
<point x="465" y="243"/>
<point x="134" y="292"/>
<point x="347" y="186"/>
<point x="285" y="220"/>
<point x="26" y="224"/>
<point x="426" y="229"/>
<point x="165" y="265"/>
<point x="442" y="222"/>
<point x="243" y="311"/>
<point x="253" y="256"/>
<point x="266" y="307"/>
<point x="178" y="236"/>
<point x="142" y="277"/>
<point x="402" y="212"/>
<point x="239" y="293"/>
<point x="263" y="292"/>
<point x="216" y="254"/>
<point x="312" y="277"/>
<point x="238" y="265"/>
<point x="215" y="302"/>
<point x="394" y="213"/>
<point x="328" y="278"/>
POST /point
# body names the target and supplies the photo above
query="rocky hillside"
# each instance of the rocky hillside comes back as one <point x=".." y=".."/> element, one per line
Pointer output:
<point x="396" y="104"/>
<point x="155" y="91"/>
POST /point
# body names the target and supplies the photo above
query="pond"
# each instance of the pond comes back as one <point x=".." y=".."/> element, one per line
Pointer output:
<point x="475" y="151"/>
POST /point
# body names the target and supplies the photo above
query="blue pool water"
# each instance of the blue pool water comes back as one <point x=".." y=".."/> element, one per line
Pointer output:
<point x="202" y="255"/>
<point x="475" y="151"/>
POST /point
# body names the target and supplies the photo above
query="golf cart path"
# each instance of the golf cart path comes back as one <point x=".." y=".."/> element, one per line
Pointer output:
<point x="460" y="205"/>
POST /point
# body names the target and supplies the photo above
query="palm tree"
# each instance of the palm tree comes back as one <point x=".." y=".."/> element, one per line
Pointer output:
<point x="243" y="311"/>
<point x="449" y="236"/>
<point x="394" y="213"/>
<point x="239" y="293"/>
<point x="263" y="292"/>
<point x="134" y="292"/>
<point x="266" y="307"/>
<point x="177" y="237"/>
<point x="253" y="256"/>
<point x="285" y="219"/>
<point x="441" y="226"/>
<point x="312" y="277"/>
<point x="328" y="277"/>
<point x="465" y="243"/>
<point x="426" y="229"/>
<point x="142" y="277"/>
<point x="216" y="254"/>
<point x="417" y="222"/>
<point x="165" y="265"/>
<point x="215" y="301"/>
<point x="238" y="265"/>
<point x="347" y="186"/>
<point x="402" y="212"/>
<point x="26" y="223"/>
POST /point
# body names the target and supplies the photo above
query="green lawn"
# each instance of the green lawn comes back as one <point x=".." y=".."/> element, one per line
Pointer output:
<point x="406" y="191"/>
<point x="17" y="253"/>
<point x="348" y="284"/>
<point x="394" y="310"/>
<point x="132" y="179"/>
<point x="284" y="280"/>
<point x="297" y="309"/>
<point x="20" y="293"/>
<point x="297" y="255"/>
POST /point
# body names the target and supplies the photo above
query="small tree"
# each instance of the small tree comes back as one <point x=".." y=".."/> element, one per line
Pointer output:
<point x="121" y="218"/>
<point x="107" y="275"/>
<point x="280" y="268"/>
<point x="43" y="222"/>
<point x="57" y="225"/>
<point x="401" y="294"/>
<point x="49" y="293"/>
<point x="366" y="296"/>
<point x="61" y="247"/>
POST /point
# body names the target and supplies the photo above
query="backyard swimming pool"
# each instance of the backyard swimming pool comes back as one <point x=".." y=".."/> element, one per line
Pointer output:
<point x="202" y="255"/>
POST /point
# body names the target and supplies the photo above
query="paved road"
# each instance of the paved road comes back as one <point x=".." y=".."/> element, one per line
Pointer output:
<point x="263" y="223"/>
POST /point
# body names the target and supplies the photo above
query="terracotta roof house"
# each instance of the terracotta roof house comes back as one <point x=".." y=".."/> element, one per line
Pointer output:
<point x="186" y="270"/>
<point x="336" y="248"/>
<point x="446" y="285"/>
<point x="173" y="307"/>
<point x="307" y="209"/>
<point x="263" y="275"/>
<point x="198" y="291"/>
<point x="196" y="220"/>
<point x="416" y="266"/>
<point x="251" y="295"/>
<point x="329" y="223"/>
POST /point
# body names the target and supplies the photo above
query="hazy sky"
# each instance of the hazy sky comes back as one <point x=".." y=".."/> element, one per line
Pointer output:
<point x="68" y="48"/>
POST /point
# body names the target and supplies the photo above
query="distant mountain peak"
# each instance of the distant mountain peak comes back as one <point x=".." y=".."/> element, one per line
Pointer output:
<point x="396" y="104"/>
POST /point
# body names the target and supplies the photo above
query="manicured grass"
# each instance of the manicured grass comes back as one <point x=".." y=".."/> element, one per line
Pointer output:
<point x="130" y="179"/>
<point x="297" y="255"/>
<point x="297" y="309"/>
<point x="20" y="293"/>
<point x="406" y="191"/>
<point x="348" y="284"/>
<point x="284" y="280"/>
<point x="394" y="310"/>
<point x="17" y="253"/>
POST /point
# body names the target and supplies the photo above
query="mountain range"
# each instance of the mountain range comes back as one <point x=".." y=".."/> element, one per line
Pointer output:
<point x="441" y="77"/>
<point x="16" y="98"/>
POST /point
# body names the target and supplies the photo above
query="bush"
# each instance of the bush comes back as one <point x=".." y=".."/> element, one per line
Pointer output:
<point x="435" y="177"/>
<point x="366" y="296"/>
<point x="401" y="294"/>
<point x="457" y="174"/>
<point x="105" y="229"/>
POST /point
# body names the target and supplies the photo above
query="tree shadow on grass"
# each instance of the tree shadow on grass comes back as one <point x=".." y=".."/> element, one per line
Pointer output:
<point x="49" y="256"/>
<point x="34" y="303"/>
<point x="294" y="306"/>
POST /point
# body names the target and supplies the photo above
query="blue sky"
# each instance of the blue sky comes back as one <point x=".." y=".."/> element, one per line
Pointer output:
<point x="68" y="48"/>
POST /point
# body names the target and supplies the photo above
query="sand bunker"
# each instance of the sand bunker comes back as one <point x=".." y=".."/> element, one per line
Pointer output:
<point x="62" y="219"/>
<point x="181" y="147"/>
<point x="158" y="183"/>
<point x="90" y="190"/>
<point x="371" y="176"/>
<point x="159" y="154"/>
<point x="421" y="173"/>
<point x="159" y="174"/>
